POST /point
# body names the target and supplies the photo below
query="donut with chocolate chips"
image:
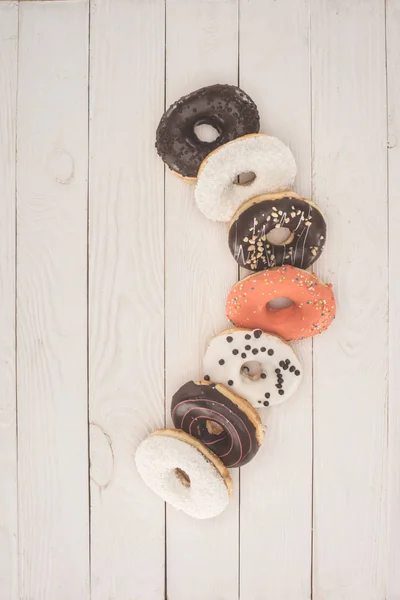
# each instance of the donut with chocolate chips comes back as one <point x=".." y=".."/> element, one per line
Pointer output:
<point x="255" y="365"/>
<point x="227" y="108"/>
<point x="225" y="423"/>
<point x="258" y="217"/>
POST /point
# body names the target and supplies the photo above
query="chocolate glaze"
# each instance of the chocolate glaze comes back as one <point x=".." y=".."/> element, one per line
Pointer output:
<point x="247" y="234"/>
<point x="226" y="107"/>
<point x="194" y="404"/>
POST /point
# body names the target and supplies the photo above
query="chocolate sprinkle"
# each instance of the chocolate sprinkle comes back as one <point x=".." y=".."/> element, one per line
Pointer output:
<point x="229" y="339"/>
<point x="221" y="361"/>
<point x="270" y="352"/>
<point x="257" y="333"/>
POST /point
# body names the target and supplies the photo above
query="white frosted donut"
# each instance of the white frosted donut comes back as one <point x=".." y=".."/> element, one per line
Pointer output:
<point x="181" y="470"/>
<point x="273" y="164"/>
<point x="257" y="366"/>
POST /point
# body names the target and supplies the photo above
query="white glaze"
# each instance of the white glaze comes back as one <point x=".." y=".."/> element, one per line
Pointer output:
<point x="216" y="194"/>
<point x="158" y="456"/>
<point x="253" y="390"/>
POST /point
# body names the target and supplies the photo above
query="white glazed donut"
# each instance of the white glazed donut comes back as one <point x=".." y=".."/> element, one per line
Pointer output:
<point x="181" y="470"/>
<point x="273" y="164"/>
<point x="257" y="366"/>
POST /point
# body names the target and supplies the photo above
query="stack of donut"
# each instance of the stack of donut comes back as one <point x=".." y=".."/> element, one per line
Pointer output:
<point x="251" y="365"/>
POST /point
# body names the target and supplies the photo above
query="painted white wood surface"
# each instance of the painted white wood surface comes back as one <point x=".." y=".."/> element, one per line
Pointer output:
<point x="126" y="294"/>
<point x="393" y="89"/>
<point x="155" y="293"/>
<point x="350" y="360"/>
<point x="8" y="433"/>
<point x="275" y="510"/>
<point x="52" y="301"/>
<point x="202" y="45"/>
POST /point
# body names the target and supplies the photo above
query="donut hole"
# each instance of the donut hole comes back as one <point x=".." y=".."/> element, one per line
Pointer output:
<point x="278" y="303"/>
<point x="206" y="132"/>
<point x="213" y="427"/>
<point x="244" y="178"/>
<point x="280" y="236"/>
<point x="183" y="477"/>
<point x="251" y="370"/>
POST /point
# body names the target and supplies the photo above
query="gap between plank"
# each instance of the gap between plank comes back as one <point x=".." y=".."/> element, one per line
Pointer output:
<point x="164" y="306"/>
<point x="238" y="276"/>
<point x="312" y="339"/>
<point x="16" y="293"/>
<point x="88" y="300"/>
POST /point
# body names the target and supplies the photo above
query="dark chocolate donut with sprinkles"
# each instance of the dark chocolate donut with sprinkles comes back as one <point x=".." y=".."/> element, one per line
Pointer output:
<point x="227" y="424"/>
<point x="227" y="108"/>
<point x="256" y="218"/>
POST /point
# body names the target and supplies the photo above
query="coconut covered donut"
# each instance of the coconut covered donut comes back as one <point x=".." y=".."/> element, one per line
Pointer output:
<point x="218" y="196"/>
<point x="258" y="366"/>
<point x="184" y="473"/>
<point x="225" y="423"/>
<point x="256" y="218"/>
<point x="312" y="310"/>
<point x="227" y="108"/>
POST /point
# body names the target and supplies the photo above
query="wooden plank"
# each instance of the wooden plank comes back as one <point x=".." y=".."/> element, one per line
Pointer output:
<point x="202" y="556"/>
<point x="350" y="359"/>
<point x="275" y="508"/>
<point x="126" y="294"/>
<point x="393" y="88"/>
<point x="8" y="432"/>
<point x="51" y="301"/>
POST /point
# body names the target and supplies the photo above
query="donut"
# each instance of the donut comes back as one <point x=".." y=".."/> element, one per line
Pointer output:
<point x="256" y="218"/>
<point x="311" y="312"/>
<point x="184" y="473"/>
<point x="258" y="366"/>
<point x="218" y="196"/>
<point x="227" y="108"/>
<point x="225" y="423"/>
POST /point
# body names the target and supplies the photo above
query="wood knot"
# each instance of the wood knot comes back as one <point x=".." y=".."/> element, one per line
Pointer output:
<point x="62" y="166"/>
<point x="101" y="456"/>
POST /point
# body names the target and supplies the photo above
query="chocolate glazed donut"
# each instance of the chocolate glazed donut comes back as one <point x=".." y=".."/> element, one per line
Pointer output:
<point x="227" y="424"/>
<point x="225" y="107"/>
<point x="257" y="217"/>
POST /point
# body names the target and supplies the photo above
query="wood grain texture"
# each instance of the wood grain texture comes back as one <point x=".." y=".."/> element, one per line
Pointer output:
<point x="126" y="294"/>
<point x="275" y="508"/>
<point x="8" y="433"/>
<point x="202" y="557"/>
<point x="393" y="89"/>
<point x="51" y="301"/>
<point x="350" y="359"/>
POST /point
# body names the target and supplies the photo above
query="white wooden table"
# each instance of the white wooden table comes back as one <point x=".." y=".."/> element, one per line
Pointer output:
<point x="112" y="283"/>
